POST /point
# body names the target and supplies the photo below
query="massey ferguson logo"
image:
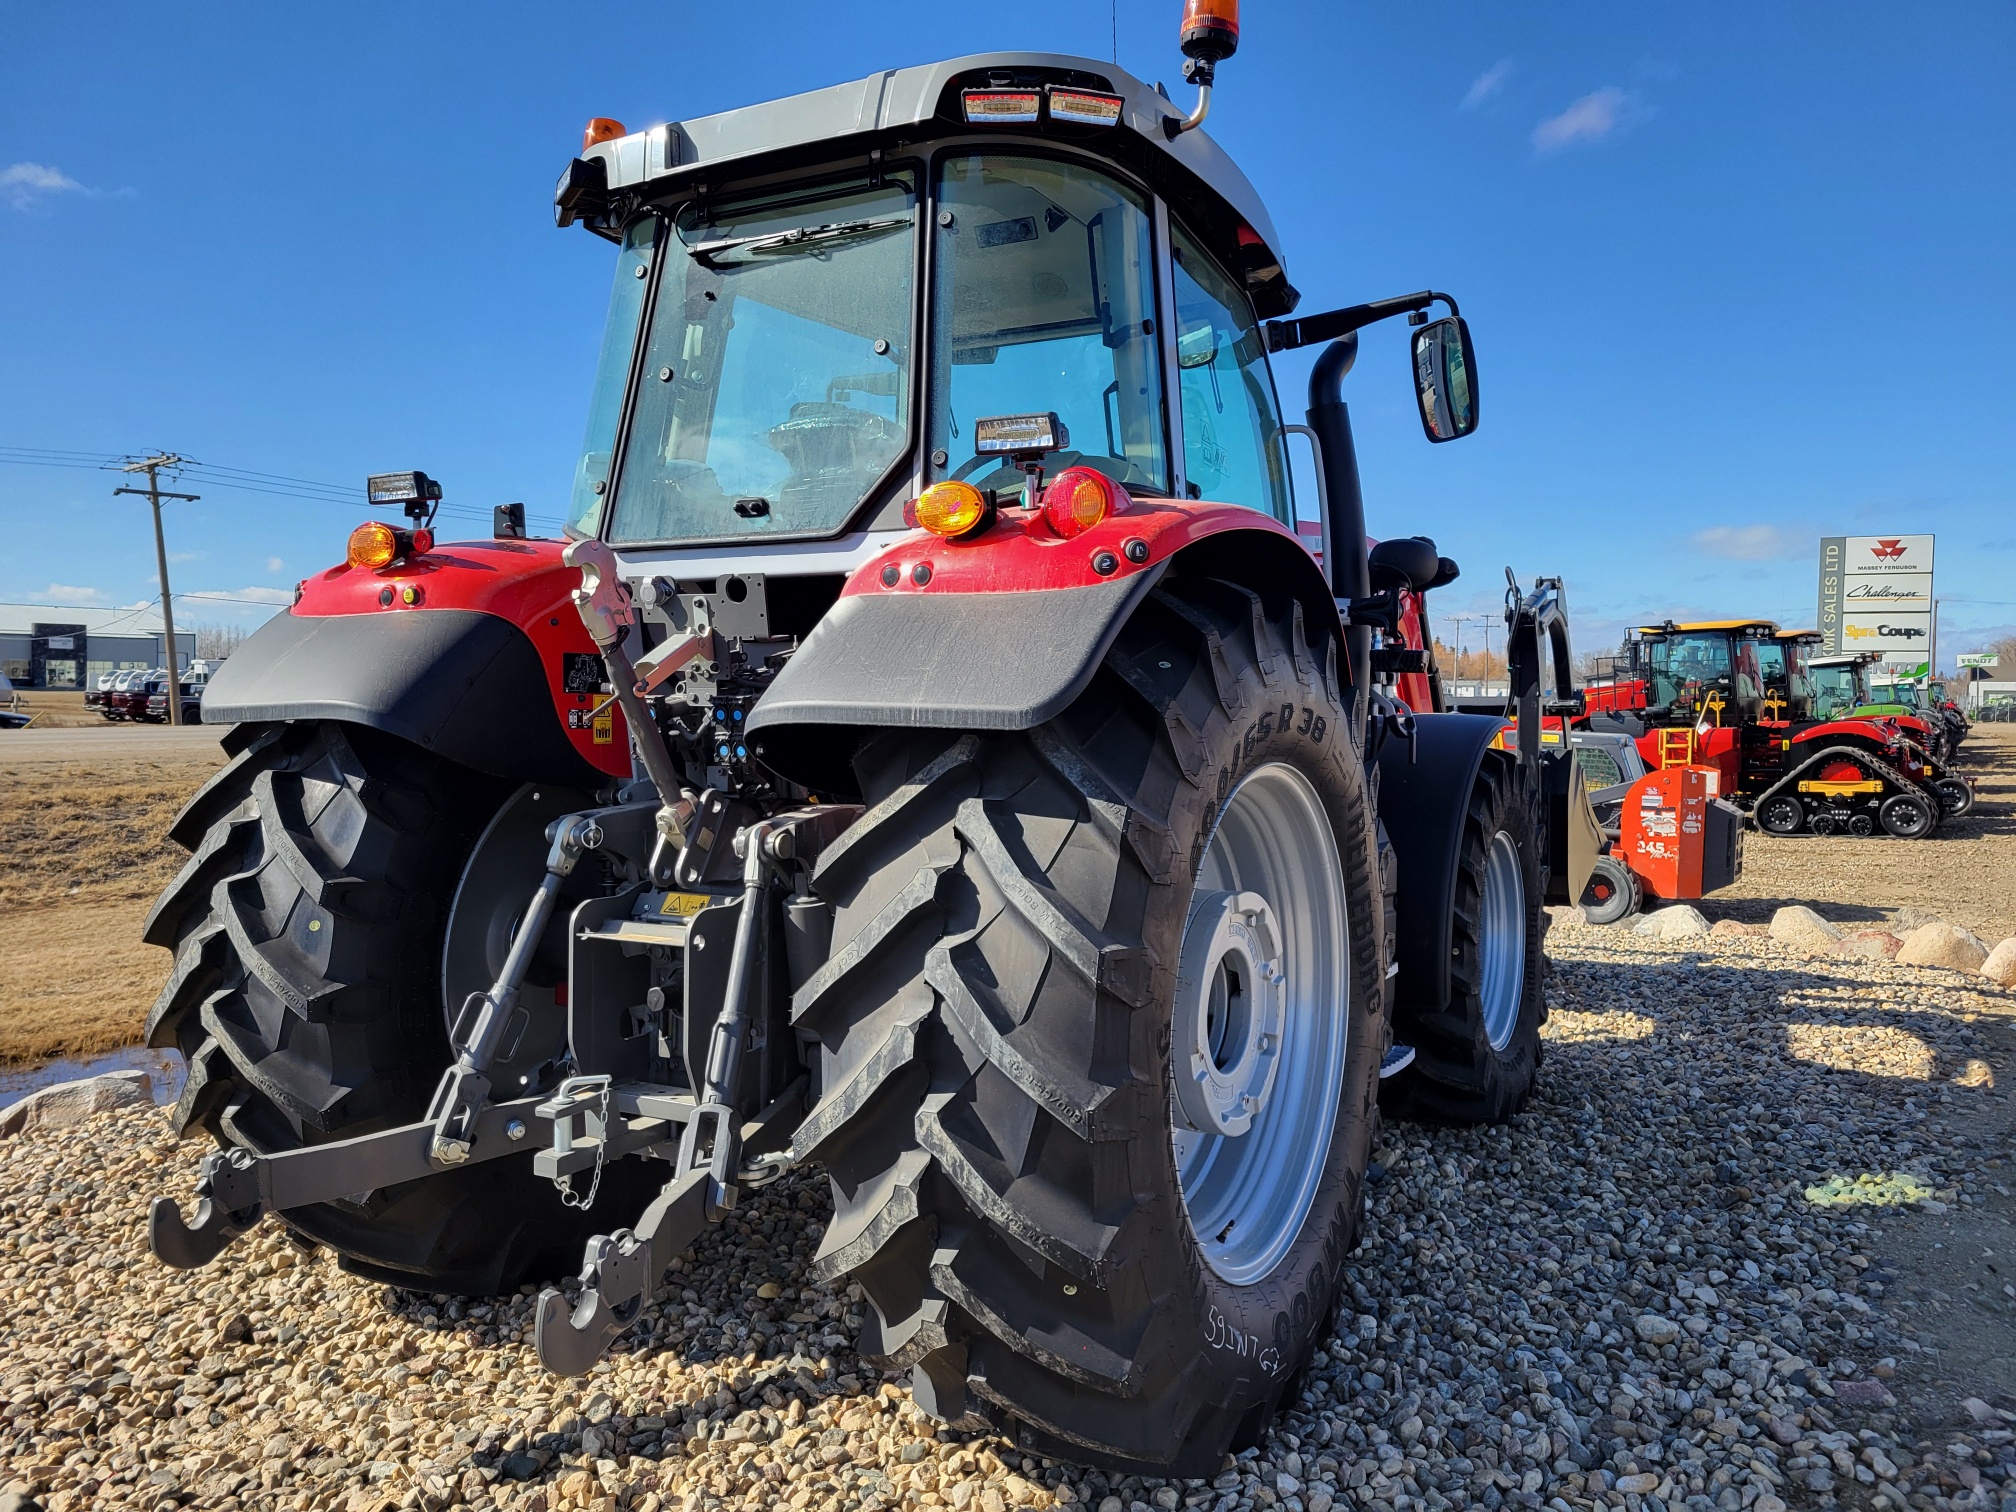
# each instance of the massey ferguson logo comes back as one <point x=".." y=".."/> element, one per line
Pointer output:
<point x="1886" y="551"/>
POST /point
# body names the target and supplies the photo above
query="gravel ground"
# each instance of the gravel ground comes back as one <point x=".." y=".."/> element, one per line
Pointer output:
<point x="1622" y="1299"/>
<point x="1965" y="873"/>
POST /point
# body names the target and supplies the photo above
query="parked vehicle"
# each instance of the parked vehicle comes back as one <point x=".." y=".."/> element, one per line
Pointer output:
<point x="192" y="685"/>
<point x="990" y="797"/>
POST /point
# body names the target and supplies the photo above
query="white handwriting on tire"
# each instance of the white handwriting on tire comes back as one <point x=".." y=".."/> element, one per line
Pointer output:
<point x="1218" y="1334"/>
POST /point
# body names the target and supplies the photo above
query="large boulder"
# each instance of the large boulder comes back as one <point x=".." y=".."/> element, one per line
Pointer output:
<point x="1945" y="945"/>
<point x="1877" y="944"/>
<point x="1677" y="921"/>
<point x="68" y="1103"/>
<point x="1736" y="929"/>
<point x="2000" y="967"/>
<point x="1803" y="929"/>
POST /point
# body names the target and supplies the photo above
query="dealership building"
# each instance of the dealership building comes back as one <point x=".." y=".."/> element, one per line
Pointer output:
<point x="44" y="646"/>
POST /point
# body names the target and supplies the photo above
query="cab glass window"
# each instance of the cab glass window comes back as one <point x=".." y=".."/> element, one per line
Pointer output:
<point x="612" y="376"/>
<point x="774" y="392"/>
<point x="1046" y="301"/>
<point x="1232" y="450"/>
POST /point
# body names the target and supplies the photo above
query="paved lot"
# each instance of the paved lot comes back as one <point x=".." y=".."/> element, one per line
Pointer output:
<point x="109" y="743"/>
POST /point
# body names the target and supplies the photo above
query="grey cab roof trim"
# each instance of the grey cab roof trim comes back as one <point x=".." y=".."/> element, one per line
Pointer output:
<point x="909" y="97"/>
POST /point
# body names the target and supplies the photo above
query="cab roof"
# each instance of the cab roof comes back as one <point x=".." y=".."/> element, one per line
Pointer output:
<point x="914" y="105"/>
<point x="1767" y="627"/>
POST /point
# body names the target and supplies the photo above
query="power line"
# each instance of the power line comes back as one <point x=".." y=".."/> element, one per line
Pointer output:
<point x="272" y="485"/>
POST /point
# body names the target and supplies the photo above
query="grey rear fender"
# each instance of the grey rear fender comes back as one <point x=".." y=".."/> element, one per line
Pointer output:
<point x="1007" y="660"/>
<point x="465" y="685"/>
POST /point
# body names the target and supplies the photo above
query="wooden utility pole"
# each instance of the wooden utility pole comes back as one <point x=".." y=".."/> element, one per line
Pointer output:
<point x="152" y="492"/>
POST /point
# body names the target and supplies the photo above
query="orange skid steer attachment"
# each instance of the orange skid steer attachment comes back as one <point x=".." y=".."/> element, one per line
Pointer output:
<point x="1677" y="836"/>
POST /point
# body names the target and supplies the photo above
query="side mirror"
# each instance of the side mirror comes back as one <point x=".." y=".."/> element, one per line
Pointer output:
<point x="1445" y="379"/>
<point x="1197" y="347"/>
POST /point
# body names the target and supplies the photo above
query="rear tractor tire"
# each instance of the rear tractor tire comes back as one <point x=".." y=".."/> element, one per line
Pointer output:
<point x="1098" y="1043"/>
<point x="306" y="994"/>
<point x="1477" y="1052"/>
<point x="1613" y="893"/>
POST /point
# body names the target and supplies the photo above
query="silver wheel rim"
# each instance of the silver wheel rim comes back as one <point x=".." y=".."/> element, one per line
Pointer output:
<point x="1502" y="971"/>
<point x="1266" y="955"/>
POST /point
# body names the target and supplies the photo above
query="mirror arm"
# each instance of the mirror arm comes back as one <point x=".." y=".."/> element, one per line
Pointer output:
<point x="1286" y="335"/>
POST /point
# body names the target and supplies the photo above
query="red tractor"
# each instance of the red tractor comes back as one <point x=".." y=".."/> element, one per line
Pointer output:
<point x="931" y="754"/>
<point x="1735" y="696"/>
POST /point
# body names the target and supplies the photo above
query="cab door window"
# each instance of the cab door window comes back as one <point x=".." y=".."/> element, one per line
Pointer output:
<point x="1232" y="449"/>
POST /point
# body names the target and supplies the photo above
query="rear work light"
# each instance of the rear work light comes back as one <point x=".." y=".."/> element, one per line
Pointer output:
<point x="1079" y="498"/>
<point x="1083" y="107"/>
<point x="953" y="509"/>
<point x="1002" y="107"/>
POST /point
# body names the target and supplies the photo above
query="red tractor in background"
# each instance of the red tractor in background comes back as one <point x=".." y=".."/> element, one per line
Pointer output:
<point x="1734" y="696"/>
<point x="933" y="754"/>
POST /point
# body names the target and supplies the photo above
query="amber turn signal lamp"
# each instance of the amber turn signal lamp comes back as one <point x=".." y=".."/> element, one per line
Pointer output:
<point x="374" y="544"/>
<point x="1079" y="498"/>
<point x="953" y="510"/>
<point x="602" y="129"/>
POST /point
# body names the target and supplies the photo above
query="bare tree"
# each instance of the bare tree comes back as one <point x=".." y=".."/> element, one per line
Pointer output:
<point x="215" y="642"/>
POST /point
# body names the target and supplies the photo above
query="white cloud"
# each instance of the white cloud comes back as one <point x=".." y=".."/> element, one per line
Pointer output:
<point x="1589" y="119"/>
<point x="187" y="556"/>
<point x="26" y="183"/>
<point x="69" y="593"/>
<point x="274" y="564"/>
<point x="1751" y="543"/>
<point x="1488" y="83"/>
<point x="282" y="596"/>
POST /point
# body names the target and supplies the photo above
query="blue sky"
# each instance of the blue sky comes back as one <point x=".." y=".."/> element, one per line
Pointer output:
<point x="1738" y="275"/>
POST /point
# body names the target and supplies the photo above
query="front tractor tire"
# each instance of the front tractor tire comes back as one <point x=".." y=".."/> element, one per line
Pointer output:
<point x="1477" y="1051"/>
<point x="1065" y="963"/>
<point x="306" y="994"/>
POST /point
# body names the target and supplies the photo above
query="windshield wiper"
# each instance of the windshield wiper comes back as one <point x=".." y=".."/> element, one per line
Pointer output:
<point x="797" y="239"/>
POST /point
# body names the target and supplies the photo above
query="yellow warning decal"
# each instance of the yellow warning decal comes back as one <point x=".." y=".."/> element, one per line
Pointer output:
<point x="605" y="728"/>
<point x="683" y="905"/>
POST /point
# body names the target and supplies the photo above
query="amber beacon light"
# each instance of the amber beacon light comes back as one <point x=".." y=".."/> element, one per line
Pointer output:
<point x="1210" y="29"/>
<point x="602" y="129"/>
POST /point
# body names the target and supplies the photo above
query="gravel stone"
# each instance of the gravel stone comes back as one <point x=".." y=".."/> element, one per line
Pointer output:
<point x="1622" y="1299"/>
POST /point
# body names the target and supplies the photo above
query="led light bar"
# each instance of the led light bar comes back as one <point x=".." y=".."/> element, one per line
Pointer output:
<point x="1020" y="435"/>
<point x="1002" y="107"/>
<point x="1083" y="107"/>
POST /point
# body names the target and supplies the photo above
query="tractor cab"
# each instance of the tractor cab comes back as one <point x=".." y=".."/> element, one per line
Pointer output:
<point x="1704" y="673"/>
<point x="1840" y="683"/>
<point x="1788" y="685"/>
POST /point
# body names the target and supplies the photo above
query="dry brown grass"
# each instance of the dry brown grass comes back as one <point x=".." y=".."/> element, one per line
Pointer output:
<point x="87" y="853"/>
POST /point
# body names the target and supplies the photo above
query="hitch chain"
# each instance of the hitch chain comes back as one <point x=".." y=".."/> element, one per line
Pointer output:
<point x="563" y="1107"/>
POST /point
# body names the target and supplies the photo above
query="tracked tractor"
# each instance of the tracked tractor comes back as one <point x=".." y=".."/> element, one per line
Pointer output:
<point x="932" y="755"/>
<point x="1738" y="696"/>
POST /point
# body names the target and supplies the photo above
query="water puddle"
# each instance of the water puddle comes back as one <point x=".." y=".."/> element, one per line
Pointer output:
<point x="163" y="1067"/>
